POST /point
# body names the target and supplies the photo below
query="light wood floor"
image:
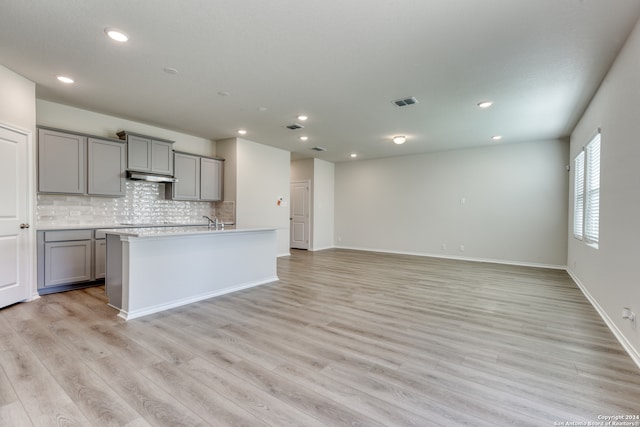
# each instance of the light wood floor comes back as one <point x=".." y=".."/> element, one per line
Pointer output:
<point x="344" y="338"/>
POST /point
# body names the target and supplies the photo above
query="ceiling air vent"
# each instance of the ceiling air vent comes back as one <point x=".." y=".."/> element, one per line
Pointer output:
<point x="319" y="149"/>
<point x="294" y="126"/>
<point x="403" y="102"/>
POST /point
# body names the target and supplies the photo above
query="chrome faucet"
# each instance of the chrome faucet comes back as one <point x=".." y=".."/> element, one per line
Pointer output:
<point x="215" y="222"/>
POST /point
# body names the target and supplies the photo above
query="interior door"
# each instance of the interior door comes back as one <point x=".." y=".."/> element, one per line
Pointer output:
<point x="300" y="207"/>
<point x="14" y="233"/>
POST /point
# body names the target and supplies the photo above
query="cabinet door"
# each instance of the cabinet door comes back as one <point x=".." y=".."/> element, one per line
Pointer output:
<point x="138" y="153"/>
<point x="106" y="167"/>
<point x="67" y="262"/>
<point x="210" y="179"/>
<point x="161" y="158"/>
<point x="187" y="170"/>
<point x="100" y="258"/>
<point x="61" y="162"/>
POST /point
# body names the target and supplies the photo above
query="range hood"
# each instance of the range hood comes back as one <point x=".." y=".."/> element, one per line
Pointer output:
<point x="149" y="177"/>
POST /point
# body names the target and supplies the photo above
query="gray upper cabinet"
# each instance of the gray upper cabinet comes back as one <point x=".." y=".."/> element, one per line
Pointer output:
<point x="199" y="178"/>
<point x="161" y="157"/>
<point x="138" y="153"/>
<point x="147" y="154"/>
<point x="62" y="162"/>
<point x="210" y="179"/>
<point x="106" y="167"/>
<point x="71" y="163"/>
<point x="187" y="170"/>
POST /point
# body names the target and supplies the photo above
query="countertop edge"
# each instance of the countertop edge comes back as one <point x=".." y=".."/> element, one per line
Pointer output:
<point x="147" y="233"/>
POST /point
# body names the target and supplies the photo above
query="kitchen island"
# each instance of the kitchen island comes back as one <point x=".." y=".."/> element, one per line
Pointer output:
<point x="154" y="269"/>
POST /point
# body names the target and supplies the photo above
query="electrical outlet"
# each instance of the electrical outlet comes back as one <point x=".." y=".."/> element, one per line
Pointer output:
<point x="443" y="246"/>
<point x="461" y="248"/>
<point x="629" y="315"/>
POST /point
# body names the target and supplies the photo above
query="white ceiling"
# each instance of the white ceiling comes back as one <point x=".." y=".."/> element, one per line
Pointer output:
<point x="339" y="62"/>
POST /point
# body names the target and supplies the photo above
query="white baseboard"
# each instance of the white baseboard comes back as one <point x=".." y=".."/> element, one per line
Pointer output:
<point x="633" y="352"/>
<point x="489" y="260"/>
<point x="321" y="248"/>
<point x="173" y="304"/>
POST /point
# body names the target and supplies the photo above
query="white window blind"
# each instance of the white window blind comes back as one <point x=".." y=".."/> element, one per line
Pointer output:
<point x="592" y="191"/>
<point x="578" y="196"/>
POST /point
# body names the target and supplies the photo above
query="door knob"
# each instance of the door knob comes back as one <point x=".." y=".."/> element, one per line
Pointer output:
<point x="24" y="225"/>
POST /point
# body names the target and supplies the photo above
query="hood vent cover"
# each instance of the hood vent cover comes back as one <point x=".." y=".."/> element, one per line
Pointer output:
<point x="403" y="102"/>
<point x="319" y="149"/>
<point x="294" y="126"/>
<point x="140" y="176"/>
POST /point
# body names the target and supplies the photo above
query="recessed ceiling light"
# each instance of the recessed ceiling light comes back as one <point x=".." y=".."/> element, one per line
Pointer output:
<point x="399" y="139"/>
<point x="170" y="70"/>
<point x="117" y="35"/>
<point x="496" y="137"/>
<point x="65" y="79"/>
<point x="302" y="117"/>
<point x="242" y="132"/>
<point x="304" y="138"/>
<point x="224" y="93"/>
<point x="485" y="104"/>
<point x="354" y="155"/>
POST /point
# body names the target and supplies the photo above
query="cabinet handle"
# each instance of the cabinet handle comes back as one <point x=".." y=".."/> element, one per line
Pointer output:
<point x="24" y="226"/>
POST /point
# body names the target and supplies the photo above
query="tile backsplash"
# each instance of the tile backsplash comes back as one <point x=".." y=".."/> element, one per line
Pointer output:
<point x="144" y="203"/>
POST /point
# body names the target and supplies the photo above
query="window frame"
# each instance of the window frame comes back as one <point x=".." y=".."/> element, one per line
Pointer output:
<point x="578" y="196"/>
<point x="592" y="191"/>
<point x="586" y="202"/>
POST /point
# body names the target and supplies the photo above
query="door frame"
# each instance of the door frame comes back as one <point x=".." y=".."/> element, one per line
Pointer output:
<point x="309" y="238"/>
<point x="30" y="247"/>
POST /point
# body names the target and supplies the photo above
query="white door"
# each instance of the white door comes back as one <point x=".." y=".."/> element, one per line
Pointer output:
<point x="14" y="233"/>
<point x="300" y="206"/>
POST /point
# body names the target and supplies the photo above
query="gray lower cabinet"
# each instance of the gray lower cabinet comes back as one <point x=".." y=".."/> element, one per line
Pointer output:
<point x="69" y="259"/>
<point x="67" y="262"/>
<point x="199" y="178"/>
<point x="106" y="167"/>
<point x="100" y="255"/>
<point x="64" y="257"/>
<point x="62" y="162"/>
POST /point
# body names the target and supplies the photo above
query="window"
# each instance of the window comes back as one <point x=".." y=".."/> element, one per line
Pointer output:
<point x="586" y="208"/>
<point x="592" y="184"/>
<point x="578" y="196"/>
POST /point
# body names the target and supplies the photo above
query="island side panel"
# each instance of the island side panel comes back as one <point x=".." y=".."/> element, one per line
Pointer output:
<point x="167" y="272"/>
<point x="113" y="278"/>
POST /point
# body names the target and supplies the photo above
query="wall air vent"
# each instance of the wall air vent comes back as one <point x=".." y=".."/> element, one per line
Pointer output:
<point x="294" y="126"/>
<point x="319" y="149"/>
<point x="403" y="102"/>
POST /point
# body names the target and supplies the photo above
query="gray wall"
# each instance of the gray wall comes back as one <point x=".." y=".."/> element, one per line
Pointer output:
<point x="610" y="274"/>
<point x="506" y="203"/>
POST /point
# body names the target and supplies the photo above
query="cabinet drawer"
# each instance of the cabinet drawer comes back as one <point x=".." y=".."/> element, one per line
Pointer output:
<point x="62" y="235"/>
<point x="100" y="235"/>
